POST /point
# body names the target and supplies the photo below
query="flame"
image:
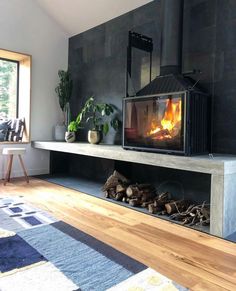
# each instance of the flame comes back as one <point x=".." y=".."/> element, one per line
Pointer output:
<point x="166" y="128"/>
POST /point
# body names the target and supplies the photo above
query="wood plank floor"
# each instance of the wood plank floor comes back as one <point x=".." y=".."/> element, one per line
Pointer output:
<point x="193" y="259"/>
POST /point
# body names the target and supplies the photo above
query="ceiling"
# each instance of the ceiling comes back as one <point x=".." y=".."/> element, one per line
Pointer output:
<point x="76" y="16"/>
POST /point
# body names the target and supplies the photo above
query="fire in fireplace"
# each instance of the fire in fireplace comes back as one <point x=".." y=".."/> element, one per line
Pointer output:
<point x="168" y="125"/>
<point x="154" y="122"/>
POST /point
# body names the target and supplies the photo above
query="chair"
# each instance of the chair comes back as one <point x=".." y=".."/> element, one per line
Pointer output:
<point x="11" y="152"/>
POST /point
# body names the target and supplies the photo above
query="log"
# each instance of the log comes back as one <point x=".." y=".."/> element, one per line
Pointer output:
<point x="132" y="190"/>
<point x="121" y="177"/>
<point x="146" y="203"/>
<point x="111" y="193"/>
<point x="159" y="134"/>
<point x="115" y="179"/>
<point x="134" y="202"/>
<point x="140" y="189"/>
<point x="176" y="206"/>
<point x="119" y="196"/>
<point x="147" y="196"/>
<point x="124" y="199"/>
<point x="152" y="208"/>
<point x="161" y="200"/>
<point x="120" y="188"/>
<point x="194" y="215"/>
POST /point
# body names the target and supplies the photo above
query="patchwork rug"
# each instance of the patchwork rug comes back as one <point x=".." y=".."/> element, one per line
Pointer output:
<point x="38" y="252"/>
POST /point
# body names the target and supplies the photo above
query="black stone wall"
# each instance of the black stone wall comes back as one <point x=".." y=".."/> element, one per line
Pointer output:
<point x="97" y="59"/>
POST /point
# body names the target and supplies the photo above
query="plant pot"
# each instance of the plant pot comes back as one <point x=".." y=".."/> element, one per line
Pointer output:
<point x="59" y="132"/>
<point x="70" y="136"/>
<point x="94" y="136"/>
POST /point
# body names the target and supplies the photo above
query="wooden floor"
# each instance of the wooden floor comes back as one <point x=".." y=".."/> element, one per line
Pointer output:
<point x="191" y="258"/>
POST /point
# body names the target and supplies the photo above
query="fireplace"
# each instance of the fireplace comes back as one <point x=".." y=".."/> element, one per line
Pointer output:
<point x="170" y="114"/>
<point x="175" y="123"/>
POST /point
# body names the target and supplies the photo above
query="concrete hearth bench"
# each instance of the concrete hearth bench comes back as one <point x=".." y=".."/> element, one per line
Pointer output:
<point x="222" y="169"/>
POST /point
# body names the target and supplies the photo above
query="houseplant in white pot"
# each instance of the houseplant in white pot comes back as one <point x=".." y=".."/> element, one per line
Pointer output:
<point x="71" y="130"/>
<point x="63" y="90"/>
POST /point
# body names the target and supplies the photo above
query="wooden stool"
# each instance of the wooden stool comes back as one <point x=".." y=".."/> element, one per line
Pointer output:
<point x="11" y="152"/>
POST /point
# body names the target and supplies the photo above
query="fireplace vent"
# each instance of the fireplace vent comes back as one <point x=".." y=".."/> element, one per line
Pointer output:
<point x="166" y="84"/>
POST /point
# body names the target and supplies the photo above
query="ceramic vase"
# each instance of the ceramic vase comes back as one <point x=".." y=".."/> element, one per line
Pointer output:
<point x="70" y="136"/>
<point x="94" y="136"/>
<point x="59" y="132"/>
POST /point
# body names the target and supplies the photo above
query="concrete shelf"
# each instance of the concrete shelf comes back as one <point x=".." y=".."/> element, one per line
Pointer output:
<point x="222" y="169"/>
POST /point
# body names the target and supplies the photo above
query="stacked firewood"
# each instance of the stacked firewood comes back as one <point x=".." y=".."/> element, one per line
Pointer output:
<point x="115" y="186"/>
<point x="194" y="215"/>
<point x="119" y="188"/>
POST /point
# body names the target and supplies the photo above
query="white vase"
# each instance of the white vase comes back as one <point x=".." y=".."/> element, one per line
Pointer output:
<point x="59" y="132"/>
<point x="70" y="136"/>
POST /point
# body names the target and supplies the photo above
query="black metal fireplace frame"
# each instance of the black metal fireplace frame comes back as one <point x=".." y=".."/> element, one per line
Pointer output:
<point x="195" y="116"/>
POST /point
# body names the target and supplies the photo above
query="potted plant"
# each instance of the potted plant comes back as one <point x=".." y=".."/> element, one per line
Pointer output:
<point x="71" y="130"/>
<point x="99" y="115"/>
<point x="63" y="90"/>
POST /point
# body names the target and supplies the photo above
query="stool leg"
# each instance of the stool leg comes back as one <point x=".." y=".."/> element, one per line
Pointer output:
<point x="9" y="166"/>
<point x="23" y="167"/>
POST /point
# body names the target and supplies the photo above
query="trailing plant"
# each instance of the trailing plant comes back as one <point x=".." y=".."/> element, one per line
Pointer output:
<point x="73" y="126"/>
<point x="64" y="91"/>
<point x="98" y="114"/>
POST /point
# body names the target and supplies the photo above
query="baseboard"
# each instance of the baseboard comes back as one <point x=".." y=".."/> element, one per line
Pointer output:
<point x="30" y="172"/>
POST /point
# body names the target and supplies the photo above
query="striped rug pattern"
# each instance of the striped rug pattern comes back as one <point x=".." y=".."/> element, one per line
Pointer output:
<point x="38" y="252"/>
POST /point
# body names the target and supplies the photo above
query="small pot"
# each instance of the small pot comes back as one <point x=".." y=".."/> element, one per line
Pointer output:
<point x="70" y="136"/>
<point x="94" y="136"/>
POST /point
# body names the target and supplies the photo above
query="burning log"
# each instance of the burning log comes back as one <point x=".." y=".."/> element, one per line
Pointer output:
<point x="163" y="133"/>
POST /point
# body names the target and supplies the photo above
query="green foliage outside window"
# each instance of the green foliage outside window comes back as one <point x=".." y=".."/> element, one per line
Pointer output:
<point x="8" y="89"/>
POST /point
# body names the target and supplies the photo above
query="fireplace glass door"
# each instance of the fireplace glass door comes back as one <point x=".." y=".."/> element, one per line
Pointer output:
<point x="154" y="123"/>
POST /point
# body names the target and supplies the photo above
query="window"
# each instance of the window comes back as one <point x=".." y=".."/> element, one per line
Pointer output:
<point x="15" y="87"/>
<point x="9" y="76"/>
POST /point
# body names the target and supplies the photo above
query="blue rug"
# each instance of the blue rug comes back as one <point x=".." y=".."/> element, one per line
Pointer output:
<point x="37" y="252"/>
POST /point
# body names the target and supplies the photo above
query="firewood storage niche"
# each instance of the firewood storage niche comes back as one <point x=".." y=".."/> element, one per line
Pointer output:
<point x="168" y="194"/>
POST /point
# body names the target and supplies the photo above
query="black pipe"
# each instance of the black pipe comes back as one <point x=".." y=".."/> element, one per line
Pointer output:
<point x="171" y="37"/>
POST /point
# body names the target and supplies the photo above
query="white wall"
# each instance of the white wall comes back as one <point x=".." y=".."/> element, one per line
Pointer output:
<point x="26" y="28"/>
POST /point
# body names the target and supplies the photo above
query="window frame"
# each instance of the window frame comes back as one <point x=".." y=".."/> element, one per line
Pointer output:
<point x="24" y="89"/>
<point x="17" y="82"/>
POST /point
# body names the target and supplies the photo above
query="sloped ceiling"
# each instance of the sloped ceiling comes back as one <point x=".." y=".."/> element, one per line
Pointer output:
<point x="76" y="16"/>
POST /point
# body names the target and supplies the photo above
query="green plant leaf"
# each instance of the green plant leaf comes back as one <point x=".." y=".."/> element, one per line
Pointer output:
<point x="73" y="126"/>
<point x="105" y="128"/>
<point x="115" y="123"/>
<point x="64" y="88"/>
<point x="79" y="118"/>
<point x="89" y="118"/>
<point x="99" y="107"/>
